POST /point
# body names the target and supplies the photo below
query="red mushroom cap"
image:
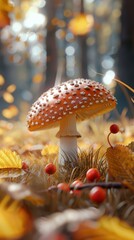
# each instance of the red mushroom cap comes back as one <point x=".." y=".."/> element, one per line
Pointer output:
<point x="82" y="97"/>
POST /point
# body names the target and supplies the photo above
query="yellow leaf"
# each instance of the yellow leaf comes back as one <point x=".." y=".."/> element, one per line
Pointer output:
<point x="121" y="162"/>
<point x="49" y="150"/>
<point x="106" y="228"/>
<point x="9" y="159"/>
<point x="117" y="227"/>
<point x="14" y="220"/>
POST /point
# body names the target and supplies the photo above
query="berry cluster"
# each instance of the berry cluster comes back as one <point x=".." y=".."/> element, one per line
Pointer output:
<point x="97" y="194"/>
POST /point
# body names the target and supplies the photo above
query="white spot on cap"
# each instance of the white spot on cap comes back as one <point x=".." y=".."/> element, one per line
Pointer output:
<point x="55" y="95"/>
<point x="85" y="98"/>
<point x="70" y="97"/>
<point x="82" y="93"/>
<point x="58" y="101"/>
<point x="86" y="87"/>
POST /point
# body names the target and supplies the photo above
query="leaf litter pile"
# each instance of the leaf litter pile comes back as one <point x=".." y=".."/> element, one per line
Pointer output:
<point x="39" y="199"/>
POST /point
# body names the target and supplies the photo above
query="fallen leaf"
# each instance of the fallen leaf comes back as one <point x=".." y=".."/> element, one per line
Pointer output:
<point x="49" y="150"/>
<point x="9" y="159"/>
<point x="15" y="221"/>
<point x="121" y="162"/>
<point x="106" y="228"/>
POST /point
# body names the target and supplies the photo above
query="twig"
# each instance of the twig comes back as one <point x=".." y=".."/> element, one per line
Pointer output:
<point x="100" y="184"/>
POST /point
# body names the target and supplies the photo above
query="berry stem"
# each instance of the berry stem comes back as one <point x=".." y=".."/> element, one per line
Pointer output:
<point x="109" y="140"/>
<point x="49" y="180"/>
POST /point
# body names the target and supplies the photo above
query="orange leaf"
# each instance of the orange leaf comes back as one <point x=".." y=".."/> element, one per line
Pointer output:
<point x="121" y="162"/>
<point x="15" y="221"/>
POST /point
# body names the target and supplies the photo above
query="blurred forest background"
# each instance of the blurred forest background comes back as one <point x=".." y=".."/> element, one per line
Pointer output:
<point x="46" y="42"/>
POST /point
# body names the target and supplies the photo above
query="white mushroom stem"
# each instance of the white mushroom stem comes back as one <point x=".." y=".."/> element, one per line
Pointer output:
<point x="68" y="139"/>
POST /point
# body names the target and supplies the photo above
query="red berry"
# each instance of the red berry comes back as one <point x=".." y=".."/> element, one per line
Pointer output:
<point x="25" y="166"/>
<point x="114" y="128"/>
<point x="76" y="184"/>
<point x="64" y="187"/>
<point x="97" y="194"/>
<point x="50" y="168"/>
<point x="58" y="236"/>
<point x="92" y="174"/>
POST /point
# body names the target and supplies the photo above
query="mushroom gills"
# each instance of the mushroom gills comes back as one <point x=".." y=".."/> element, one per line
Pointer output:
<point x="90" y="112"/>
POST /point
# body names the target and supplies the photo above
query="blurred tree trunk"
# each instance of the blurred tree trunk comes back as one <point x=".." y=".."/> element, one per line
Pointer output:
<point x="83" y="49"/>
<point x="83" y="56"/>
<point x="51" y="48"/>
<point x="125" y="57"/>
<point x="127" y="23"/>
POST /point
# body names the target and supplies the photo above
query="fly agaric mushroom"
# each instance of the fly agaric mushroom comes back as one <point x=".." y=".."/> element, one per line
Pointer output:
<point x="65" y="103"/>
